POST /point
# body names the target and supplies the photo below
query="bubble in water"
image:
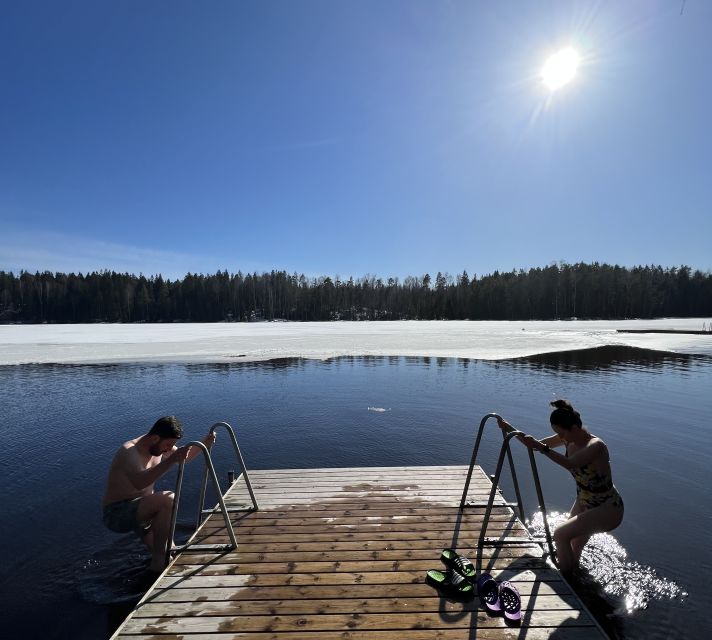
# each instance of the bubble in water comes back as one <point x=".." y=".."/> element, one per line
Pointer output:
<point x="113" y="575"/>
<point x="606" y="562"/>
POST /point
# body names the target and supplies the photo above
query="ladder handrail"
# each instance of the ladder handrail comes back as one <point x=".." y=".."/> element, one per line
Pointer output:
<point x="473" y="460"/>
<point x="241" y="461"/>
<point x="176" y="498"/>
<point x="495" y="484"/>
<point x="505" y="450"/>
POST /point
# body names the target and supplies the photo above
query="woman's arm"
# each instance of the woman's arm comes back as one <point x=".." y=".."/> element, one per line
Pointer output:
<point x="551" y="441"/>
<point x="584" y="456"/>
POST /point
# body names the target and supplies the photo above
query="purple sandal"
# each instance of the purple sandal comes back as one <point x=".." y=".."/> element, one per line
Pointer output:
<point x="488" y="591"/>
<point x="511" y="601"/>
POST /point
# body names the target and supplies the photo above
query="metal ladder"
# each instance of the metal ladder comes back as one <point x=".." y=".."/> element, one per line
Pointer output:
<point x="201" y="506"/>
<point x="209" y="470"/>
<point x="505" y="450"/>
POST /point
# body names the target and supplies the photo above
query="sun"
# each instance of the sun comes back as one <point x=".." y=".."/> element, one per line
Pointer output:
<point x="560" y="69"/>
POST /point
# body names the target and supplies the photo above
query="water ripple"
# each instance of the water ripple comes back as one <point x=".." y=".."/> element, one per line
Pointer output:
<point x="630" y="583"/>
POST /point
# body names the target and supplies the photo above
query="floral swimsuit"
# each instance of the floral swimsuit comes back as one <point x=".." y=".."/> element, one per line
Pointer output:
<point x="595" y="489"/>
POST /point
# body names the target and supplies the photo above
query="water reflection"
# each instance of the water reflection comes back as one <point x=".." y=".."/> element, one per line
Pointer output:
<point x="582" y="360"/>
<point x="609" y="358"/>
<point x="610" y="585"/>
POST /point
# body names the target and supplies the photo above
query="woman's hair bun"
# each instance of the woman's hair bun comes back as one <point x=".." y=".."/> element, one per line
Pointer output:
<point x="564" y="415"/>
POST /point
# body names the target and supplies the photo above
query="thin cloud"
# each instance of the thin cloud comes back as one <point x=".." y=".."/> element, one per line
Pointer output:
<point x="49" y="251"/>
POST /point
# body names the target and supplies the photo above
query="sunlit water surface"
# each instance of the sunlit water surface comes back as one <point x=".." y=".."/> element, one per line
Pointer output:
<point x="65" y="576"/>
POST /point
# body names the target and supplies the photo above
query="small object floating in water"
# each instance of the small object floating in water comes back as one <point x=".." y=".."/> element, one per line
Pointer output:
<point x="378" y="409"/>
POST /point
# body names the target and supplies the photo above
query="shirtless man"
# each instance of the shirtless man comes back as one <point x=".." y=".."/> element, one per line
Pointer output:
<point x="129" y="503"/>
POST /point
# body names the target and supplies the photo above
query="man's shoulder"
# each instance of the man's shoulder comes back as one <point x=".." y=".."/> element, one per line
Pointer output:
<point x="127" y="449"/>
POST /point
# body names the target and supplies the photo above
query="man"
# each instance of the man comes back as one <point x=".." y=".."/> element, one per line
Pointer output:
<point x="129" y="503"/>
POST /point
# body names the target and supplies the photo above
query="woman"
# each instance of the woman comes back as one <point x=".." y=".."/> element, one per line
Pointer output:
<point x="598" y="506"/>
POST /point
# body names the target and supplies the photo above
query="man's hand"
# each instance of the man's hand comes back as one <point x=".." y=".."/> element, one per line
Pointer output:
<point x="209" y="440"/>
<point x="504" y="425"/>
<point x="179" y="455"/>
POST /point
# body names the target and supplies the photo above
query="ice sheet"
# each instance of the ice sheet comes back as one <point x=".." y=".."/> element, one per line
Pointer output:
<point x="236" y="342"/>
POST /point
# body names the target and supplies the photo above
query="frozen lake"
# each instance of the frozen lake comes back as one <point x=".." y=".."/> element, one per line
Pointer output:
<point x="651" y="407"/>
<point x="244" y="342"/>
<point x="345" y="394"/>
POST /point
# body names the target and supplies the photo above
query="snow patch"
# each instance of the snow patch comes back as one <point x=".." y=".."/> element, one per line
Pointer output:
<point x="221" y="342"/>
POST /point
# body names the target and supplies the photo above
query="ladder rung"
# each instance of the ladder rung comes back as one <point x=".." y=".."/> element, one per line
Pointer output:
<point x="510" y="540"/>
<point x="187" y="548"/>
<point x="511" y="505"/>
<point x="229" y="510"/>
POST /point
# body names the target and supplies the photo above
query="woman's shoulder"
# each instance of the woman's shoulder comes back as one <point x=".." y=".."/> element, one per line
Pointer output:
<point x="597" y="443"/>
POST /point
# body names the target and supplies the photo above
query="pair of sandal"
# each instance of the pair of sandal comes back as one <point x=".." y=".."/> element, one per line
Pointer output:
<point x="458" y="581"/>
<point x="500" y="597"/>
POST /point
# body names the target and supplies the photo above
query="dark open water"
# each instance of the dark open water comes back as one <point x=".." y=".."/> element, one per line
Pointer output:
<point x="62" y="424"/>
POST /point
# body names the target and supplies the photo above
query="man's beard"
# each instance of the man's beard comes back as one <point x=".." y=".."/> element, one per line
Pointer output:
<point x="155" y="450"/>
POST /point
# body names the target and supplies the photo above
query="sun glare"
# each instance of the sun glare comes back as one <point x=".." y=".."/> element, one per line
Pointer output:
<point x="560" y="69"/>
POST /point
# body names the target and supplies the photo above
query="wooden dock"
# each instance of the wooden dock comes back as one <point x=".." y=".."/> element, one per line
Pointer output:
<point x="342" y="554"/>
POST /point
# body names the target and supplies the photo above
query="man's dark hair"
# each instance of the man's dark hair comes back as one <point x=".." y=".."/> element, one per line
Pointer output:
<point x="167" y="427"/>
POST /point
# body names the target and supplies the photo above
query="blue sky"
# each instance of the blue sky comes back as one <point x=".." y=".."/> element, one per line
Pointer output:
<point x="345" y="138"/>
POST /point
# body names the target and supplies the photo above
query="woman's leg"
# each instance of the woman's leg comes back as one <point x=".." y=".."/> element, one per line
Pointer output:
<point x="577" y="530"/>
<point x="577" y="544"/>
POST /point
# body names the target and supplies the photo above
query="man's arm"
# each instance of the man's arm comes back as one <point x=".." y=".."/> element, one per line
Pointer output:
<point x="208" y="441"/>
<point x="142" y="478"/>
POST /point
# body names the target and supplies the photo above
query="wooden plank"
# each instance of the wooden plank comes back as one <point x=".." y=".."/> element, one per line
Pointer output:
<point x="347" y="622"/>
<point x="344" y="471"/>
<point x="346" y="535"/>
<point x="200" y="580"/>
<point x="298" y="566"/>
<point x="322" y="591"/>
<point x="349" y="502"/>
<point x="380" y="509"/>
<point x="448" y="498"/>
<point x="373" y="504"/>
<point x="429" y="555"/>
<point x="502" y="633"/>
<point x="401" y="480"/>
<point x="334" y="606"/>
<point x="409" y="525"/>
<point x="450" y="515"/>
<point x="430" y="545"/>
<point x="355" y="484"/>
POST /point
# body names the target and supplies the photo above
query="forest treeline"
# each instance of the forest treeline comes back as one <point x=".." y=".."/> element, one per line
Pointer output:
<point x="556" y="291"/>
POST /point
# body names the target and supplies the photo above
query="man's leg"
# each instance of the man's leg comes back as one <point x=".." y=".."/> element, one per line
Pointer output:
<point x="157" y="509"/>
<point x="148" y="539"/>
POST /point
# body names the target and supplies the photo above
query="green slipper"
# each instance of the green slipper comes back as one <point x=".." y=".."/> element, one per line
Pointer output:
<point x="451" y="583"/>
<point x="458" y="563"/>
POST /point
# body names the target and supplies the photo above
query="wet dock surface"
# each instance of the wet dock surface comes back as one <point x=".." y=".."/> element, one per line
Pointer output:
<point x="342" y="553"/>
